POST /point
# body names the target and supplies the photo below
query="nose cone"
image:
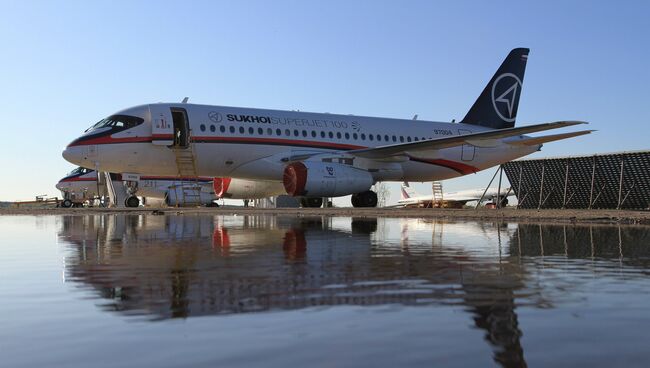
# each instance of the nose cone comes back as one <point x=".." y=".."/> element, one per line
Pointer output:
<point x="74" y="155"/>
<point x="59" y="185"/>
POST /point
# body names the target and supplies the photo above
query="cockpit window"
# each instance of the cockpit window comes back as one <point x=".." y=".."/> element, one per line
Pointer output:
<point x="79" y="171"/>
<point x="118" y="121"/>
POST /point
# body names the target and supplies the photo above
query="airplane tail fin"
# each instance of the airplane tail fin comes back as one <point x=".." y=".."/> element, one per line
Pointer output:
<point x="497" y="105"/>
<point x="407" y="191"/>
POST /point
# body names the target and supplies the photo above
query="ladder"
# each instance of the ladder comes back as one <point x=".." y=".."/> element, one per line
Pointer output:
<point x="116" y="191"/>
<point x="186" y="167"/>
<point x="438" y="200"/>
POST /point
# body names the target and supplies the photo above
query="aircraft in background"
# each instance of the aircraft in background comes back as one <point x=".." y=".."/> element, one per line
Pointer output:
<point x="315" y="155"/>
<point x="82" y="185"/>
<point x="411" y="198"/>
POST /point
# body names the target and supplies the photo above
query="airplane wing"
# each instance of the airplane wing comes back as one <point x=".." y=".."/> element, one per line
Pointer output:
<point x="531" y="141"/>
<point x="482" y="139"/>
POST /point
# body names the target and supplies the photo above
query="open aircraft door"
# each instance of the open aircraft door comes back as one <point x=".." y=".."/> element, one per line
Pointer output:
<point x="162" y="127"/>
<point x="468" y="151"/>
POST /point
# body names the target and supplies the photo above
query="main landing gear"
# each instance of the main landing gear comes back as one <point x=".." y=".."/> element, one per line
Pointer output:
<point x="132" y="201"/>
<point x="306" y="202"/>
<point x="364" y="199"/>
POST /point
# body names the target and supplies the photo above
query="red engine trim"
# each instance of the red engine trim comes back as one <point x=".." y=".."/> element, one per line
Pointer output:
<point x="220" y="186"/>
<point x="295" y="178"/>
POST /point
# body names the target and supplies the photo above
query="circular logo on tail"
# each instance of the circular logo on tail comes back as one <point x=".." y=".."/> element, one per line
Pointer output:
<point x="505" y="96"/>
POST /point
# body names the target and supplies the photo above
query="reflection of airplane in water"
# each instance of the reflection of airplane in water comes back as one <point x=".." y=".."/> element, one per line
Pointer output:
<point x="184" y="266"/>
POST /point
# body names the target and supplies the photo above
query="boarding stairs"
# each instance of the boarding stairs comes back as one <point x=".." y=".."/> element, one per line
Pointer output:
<point x="116" y="190"/>
<point x="188" y="184"/>
<point x="438" y="200"/>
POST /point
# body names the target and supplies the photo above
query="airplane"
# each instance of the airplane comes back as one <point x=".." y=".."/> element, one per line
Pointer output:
<point x="81" y="185"/>
<point x="411" y="198"/>
<point x="315" y="155"/>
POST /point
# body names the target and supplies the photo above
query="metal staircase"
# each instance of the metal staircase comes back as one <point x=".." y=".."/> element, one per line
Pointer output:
<point x="116" y="191"/>
<point x="438" y="200"/>
<point x="188" y="183"/>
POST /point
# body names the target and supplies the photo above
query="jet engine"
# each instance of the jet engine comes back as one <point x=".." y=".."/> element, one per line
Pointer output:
<point x="246" y="189"/>
<point x="325" y="179"/>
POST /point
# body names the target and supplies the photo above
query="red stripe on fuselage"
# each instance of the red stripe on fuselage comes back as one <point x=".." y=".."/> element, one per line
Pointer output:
<point x="456" y="166"/>
<point x="65" y="180"/>
<point x="109" y="140"/>
<point x="288" y="142"/>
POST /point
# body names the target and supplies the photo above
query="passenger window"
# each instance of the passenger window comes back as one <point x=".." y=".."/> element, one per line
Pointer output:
<point x="331" y="135"/>
<point x="251" y="130"/>
<point x="338" y="135"/>
<point x="232" y="129"/>
<point x="355" y="136"/>
<point x="222" y="129"/>
<point x="278" y="132"/>
<point x="304" y="133"/>
<point x="313" y="134"/>
<point x="379" y="137"/>
<point x="347" y="135"/>
<point x="213" y="128"/>
<point x="394" y="139"/>
<point x="386" y="137"/>
<point x="241" y="130"/>
<point x="408" y="139"/>
<point x="296" y="132"/>
<point x="269" y="131"/>
<point x="363" y="137"/>
<point x="287" y="132"/>
<point x="202" y="127"/>
<point x="370" y="136"/>
<point x="401" y="138"/>
<point x="322" y="134"/>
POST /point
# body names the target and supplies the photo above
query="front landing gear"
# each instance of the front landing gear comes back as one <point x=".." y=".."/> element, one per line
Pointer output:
<point x="364" y="199"/>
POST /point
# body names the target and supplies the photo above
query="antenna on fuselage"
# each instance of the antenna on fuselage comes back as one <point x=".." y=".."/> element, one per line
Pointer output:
<point x="185" y="100"/>
<point x="415" y="117"/>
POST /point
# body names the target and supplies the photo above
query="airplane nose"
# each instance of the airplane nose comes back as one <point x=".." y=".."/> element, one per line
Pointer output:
<point x="73" y="155"/>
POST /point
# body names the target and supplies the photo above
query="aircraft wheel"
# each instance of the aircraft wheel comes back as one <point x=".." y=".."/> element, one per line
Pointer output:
<point x="132" y="201"/>
<point x="66" y="203"/>
<point x="311" y="202"/>
<point x="365" y="199"/>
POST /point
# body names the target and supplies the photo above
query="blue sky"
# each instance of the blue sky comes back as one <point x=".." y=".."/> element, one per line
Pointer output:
<point x="65" y="65"/>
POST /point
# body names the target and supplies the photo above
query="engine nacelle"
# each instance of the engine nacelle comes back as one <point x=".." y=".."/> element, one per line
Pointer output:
<point x="188" y="196"/>
<point x="246" y="189"/>
<point x="325" y="179"/>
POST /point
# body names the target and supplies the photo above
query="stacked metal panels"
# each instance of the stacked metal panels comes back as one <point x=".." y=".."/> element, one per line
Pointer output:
<point x="616" y="180"/>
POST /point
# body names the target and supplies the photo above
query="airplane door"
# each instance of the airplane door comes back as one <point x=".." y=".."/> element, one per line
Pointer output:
<point x="468" y="151"/>
<point x="162" y="127"/>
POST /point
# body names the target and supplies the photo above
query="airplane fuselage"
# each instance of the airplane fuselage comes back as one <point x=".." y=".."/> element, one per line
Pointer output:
<point x="257" y="144"/>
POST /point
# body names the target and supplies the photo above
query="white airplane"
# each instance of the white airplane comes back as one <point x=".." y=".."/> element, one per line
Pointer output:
<point x="411" y="198"/>
<point x="81" y="185"/>
<point x="315" y="155"/>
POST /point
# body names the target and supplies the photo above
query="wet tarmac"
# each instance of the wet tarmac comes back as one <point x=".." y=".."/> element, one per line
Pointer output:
<point x="126" y="290"/>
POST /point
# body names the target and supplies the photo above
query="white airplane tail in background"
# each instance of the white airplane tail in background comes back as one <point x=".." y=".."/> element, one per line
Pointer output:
<point x="407" y="191"/>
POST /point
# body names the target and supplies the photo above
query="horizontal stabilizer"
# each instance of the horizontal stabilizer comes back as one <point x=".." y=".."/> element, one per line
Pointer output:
<point x="548" y="138"/>
<point x="473" y="138"/>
